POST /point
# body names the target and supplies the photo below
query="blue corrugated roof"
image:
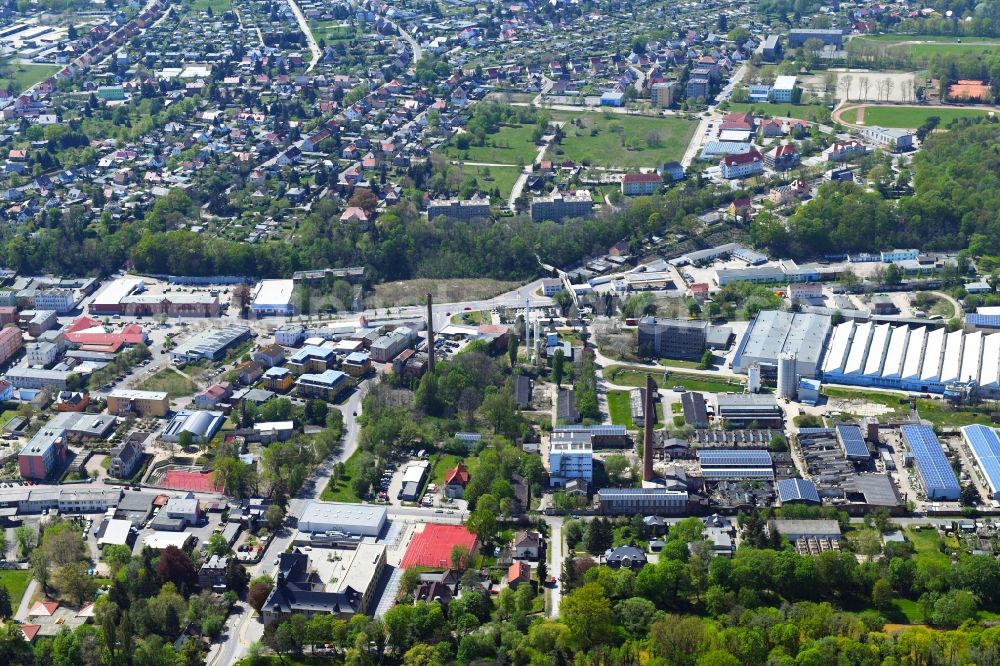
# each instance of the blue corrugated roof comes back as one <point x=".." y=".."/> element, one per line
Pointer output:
<point x="935" y="471"/>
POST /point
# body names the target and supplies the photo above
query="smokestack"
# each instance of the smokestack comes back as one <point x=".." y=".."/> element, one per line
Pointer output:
<point x="647" y="430"/>
<point x="430" y="334"/>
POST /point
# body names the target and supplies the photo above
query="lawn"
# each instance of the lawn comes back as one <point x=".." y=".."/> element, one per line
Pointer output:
<point x="217" y="6"/>
<point x="931" y="46"/>
<point x="174" y="383"/>
<point x="674" y="363"/>
<point x="800" y="111"/>
<point x="911" y="610"/>
<point x="23" y="76"/>
<point x="620" y="408"/>
<point x="342" y="490"/>
<point x="331" y="31"/>
<point x="925" y="543"/>
<point x="446" y="462"/>
<point x="889" y="399"/>
<point x="502" y="178"/>
<point x="475" y="318"/>
<point x="910" y="117"/>
<point x="511" y="145"/>
<point x="622" y="141"/>
<point x="16" y="582"/>
<point x="938" y="413"/>
<point x="625" y="376"/>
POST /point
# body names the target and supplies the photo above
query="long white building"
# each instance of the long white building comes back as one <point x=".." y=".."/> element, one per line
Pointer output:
<point x="914" y="359"/>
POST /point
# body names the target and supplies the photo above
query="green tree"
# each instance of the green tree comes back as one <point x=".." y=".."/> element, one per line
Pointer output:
<point x="73" y="583"/>
<point x="882" y="594"/>
<point x="558" y="366"/>
<point x="587" y="614"/>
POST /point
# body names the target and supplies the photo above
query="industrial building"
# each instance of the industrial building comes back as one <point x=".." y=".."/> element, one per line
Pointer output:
<point x="984" y="444"/>
<point x="672" y="338"/>
<point x="932" y="466"/>
<point x="773" y="333"/>
<point x="273" y="298"/>
<point x="791" y="491"/>
<point x="210" y="344"/>
<point x="413" y="479"/>
<point x="920" y="358"/>
<point x="354" y="519"/>
<point x="743" y="410"/>
<point x="735" y="464"/>
<point x="852" y="441"/>
<point x="642" y="501"/>
<point x="695" y="411"/>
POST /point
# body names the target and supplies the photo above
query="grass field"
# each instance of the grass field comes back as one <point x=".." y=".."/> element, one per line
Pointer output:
<point x="511" y="145"/>
<point x="331" y="31"/>
<point x="446" y="462"/>
<point x="673" y="363"/>
<point x="413" y="292"/>
<point x="23" y="76"/>
<point x="626" y="376"/>
<point x="937" y="413"/>
<point x="16" y="582"/>
<point x="911" y="610"/>
<point x="475" y="318"/>
<point x="620" y="408"/>
<point x="930" y="46"/>
<point x="911" y="117"/>
<point x="622" y="141"/>
<point x="217" y="6"/>
<point x="925" y="543"/>
<point x="800" y="111"/>
<point x="171" y="381"/>
<point x="342" y="490"/>
<point x="502" y="178"/>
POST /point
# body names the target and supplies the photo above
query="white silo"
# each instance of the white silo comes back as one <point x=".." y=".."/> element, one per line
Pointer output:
<point x="788" y="382"/>
<point x="753" y="378"/>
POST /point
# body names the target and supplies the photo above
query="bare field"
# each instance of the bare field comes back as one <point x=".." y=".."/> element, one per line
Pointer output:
<point x="876" y="86"/>
<point x="413" y="292"/>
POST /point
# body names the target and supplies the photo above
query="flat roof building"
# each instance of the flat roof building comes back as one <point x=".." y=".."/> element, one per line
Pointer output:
<point x="210" y="344"/>
<point x="774" y="333"/>
<point x="355" y="519"/>
<point x="143" y="403"/>
<point x="273" y="298"/>
<point x="742" y="410"/>
<point x="672" y="338"/>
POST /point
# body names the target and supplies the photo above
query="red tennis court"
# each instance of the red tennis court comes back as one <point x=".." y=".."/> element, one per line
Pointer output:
<point x="432" y="547"/>
<point x="195" y="481"/>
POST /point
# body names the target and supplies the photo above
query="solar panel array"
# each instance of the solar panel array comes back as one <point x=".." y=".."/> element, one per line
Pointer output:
<point x="737" y="473"/>
<point x="985" y="446"/>
<point x="734" y="458"/>
<point x="986" y="321"/>
<point x="932" y="465"/>
<point x="815" y="431"/>
<point x="853" y="442"/>
<point x="791" y="490"/>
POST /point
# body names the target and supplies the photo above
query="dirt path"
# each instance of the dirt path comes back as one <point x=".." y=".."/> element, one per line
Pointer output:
<point x="861" y="115"/>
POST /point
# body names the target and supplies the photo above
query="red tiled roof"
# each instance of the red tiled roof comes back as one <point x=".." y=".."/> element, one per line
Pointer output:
<point x="88" y="331"/>
<point x="459" y="476"/>
<point x="519" y="572"/>
<point x="747" y="158"/>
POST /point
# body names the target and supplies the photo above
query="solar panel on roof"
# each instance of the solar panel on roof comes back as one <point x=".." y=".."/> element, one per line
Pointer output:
<point x="851" y="439"/>
<point x="987" y="321"/>
<point x="985" y="446"/>
<point x="790" y="490"/>
<point x="932" y="465"/>
<point x="734" y="458"/>
<point x="815" y="431"/>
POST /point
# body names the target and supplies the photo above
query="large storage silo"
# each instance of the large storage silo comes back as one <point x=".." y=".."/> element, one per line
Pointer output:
<point x="753" y="378"/>
<point x="788" y="381"/>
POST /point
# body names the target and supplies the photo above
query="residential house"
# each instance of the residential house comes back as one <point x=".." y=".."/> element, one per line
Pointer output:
<point x="527" y="545"/>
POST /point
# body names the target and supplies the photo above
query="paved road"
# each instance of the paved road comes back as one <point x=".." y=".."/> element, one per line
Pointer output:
<point x="307" y="31"/>
<point x="515" y="191"/>
<point x="557" y="552"/>
<point x="243" y="628"/>
<point x="22" y="610"/>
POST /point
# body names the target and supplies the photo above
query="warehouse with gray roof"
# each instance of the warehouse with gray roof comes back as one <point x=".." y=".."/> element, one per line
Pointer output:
<point x="775" y="333"/>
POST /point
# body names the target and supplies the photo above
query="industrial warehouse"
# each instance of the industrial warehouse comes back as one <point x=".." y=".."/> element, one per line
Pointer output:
<point x="919" y="358"/>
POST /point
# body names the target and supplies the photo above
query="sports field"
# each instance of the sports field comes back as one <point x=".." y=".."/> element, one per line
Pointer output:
<point x="432" y="547"/>
<point x="910" y="117"/>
